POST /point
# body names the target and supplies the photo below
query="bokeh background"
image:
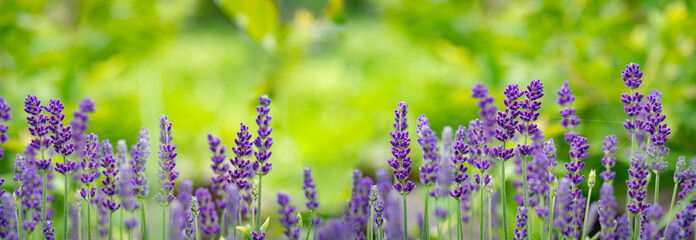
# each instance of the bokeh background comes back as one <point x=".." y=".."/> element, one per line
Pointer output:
<point x="335" y="70"/>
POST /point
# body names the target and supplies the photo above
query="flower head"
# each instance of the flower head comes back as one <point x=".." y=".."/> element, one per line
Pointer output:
<point x="401" y="162"/>
<point x="638" y="172"/>
<point x="167" y="162"/>
<point x="242" y="151"/>
<point x="570" y="120"/>
<point x="208" y="215"/>
<point x="139" y="154"/>
<point x="220" y="168"/>
<point x="609" y="146"/>
<point x="4" y="117"/>
<point x="288" y="219"/>
<point x="520" y="230"/>
<point x="506" y="119"/>
<point x="310" y="190"/>
<point x="487" y="109"/>
<point x="632" y="76"/>
<point x="48" y="231"/>
<point x="431" y="157"/>
<point x="263" y="141"/>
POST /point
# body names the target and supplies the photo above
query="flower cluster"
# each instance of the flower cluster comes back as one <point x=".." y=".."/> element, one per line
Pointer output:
<point x="401" y="162"/>
<point x="79" y="123"/>
<point x="487" y="109"/>
<point x="632" y="77"/>
<point x="638" y="172"/>
<point x="167" y="162"/>
<point x="431" y="156"/>
<point x="610" y="146"/>
<point x="139" y="153"/>
<point x="263" y="141"/>
<point x="4" y="117"/>
<point x="242" y="151"/>
<point x="110" y="182"/>
<point x="570" y="120"/>
<point x="288" y="219"/>
<point x="459" y="160"/>
<point x="219" y="166"/>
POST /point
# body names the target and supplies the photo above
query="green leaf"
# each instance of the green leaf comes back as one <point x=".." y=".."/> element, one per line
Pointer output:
<point x="245" y="231"/>
<point x="258" y="18"/>
<point x="265" y="224"/>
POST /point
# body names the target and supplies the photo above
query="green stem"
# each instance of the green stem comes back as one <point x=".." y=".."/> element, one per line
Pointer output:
<point x="258" y="207"/>
<point x="18" y="214"/>
<point x="110" y="218"/>
<point x="143" y="220"/>
<point x="587" y="209"/>
<point x="44" y="193"/>
<point x="502" y="190"/>
<point x="120" y="228"/>
<point x="405" y="216"/>
<point x="195" y="226"/>
<point x="309" y="225"/>
<point x="482" y="206"/>
<point x="65" y="207"/>
<point x="553" y="201"/>
<point x="674" y="195"/>
<point x="164" y="222"/>
<point x="449" y="219"/>
<point x="490" y="221"/>
<point x="426" y="225"/>
<point x="657" y="187"/>
<point x="89" y="221"/>
<point x="459" y="220"/>
<point x="524" y="187"/>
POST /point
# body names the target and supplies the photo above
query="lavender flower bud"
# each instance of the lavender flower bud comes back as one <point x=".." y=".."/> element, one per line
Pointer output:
<point x="506" y="119"/>
<point x="48" y="231"/>
<point x="209" y="217"/>
<point x="520" y="230"/>
<point x="243" y="150"/>
<point x="638" y="172"/>
<point x="680" y="167"/>
<point x="263" y="141"/>
<point x="428" y="141"/>
<point x="310" y="190"/>
<point x="487" y="110"/>
<point x="288" y="219"/>
<point x="167" y="162"/>
<point x="401" y="162"/>
<point x="570" y="120"/>
<point x="632" y="76"/>
<point x="4" y="117"/>
<point x="610" y="146"/>
<point x="108" y="163"/>
<point x="139" y="154"/>
<point x="220" y="168"/>
<point x="591" y="180"/>
<point x="379" y="219"/>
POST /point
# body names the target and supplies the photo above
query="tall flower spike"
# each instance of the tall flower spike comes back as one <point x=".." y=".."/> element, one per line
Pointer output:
<point x="219" y="166"/>
<point x="507" y="119"/>
<point x="263" y="141"/>
<point x="288" y="218"/>
<point x="487" y="109"/>
<point x="401" y="162"/>
<point x="79" y="123"/>
<point x="569" y="119"/>
<point x="310" y="190"/>
<point x="610" y="146"/>
<point x="39" y="128"/>
<point x="89" y="164"/>
<point x="459" y="159"/>
<point x="139" y="153"/>
<point x="208" y="215"/>
<point x="607" y="211"/>
<point x="110" y="182"/>
<point x="632" y="77"/>
<point x="520" y="230"/>
<point x="445" y="174"/>
<point x="242" y="151"/>
<point x="638" y="172"/>
<point x="61" y="134"/>
<point x="578" y="153"/>
<point x="658" y="131"/>
<point x="4" y="117"/>
<point x="167" y="162"/>
<point x="431" y="156"/>
<point x="530" y="110"/>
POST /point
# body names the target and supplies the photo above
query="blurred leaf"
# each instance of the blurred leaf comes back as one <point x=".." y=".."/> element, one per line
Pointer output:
<point x="259" y="18"/>
<point x="335" y="11"/>
<point x="264" y="226"/>
<point x="245" y="231"/>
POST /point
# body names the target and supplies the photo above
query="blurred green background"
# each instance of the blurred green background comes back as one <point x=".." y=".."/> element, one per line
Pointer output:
<point x="335" y="71"/>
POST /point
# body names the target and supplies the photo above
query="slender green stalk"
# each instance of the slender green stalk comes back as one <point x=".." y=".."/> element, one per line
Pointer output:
<point x="79" y="224"/>
<point x="65" y="206"/>
<point x="258" y="207"/>
<point x="482" y="205"/>
<point x="459" y="220"/>
<point x="110" y="220"/>
<point x="674" y="195"/>
<point x="195" y="230"/>
<point x="449" y="219"/>
<point x="19" y="219"/>
<point x="310" y="223"/>
<point x="502" y="190"/>
<point x="657" y="187"/>
<point x="120" y="228"/>
<point x="164" y="222"/>
<point x="89" y="221"/>
<point x="143" y="220"/>
<point x="405" y="216"/>
<point x="553" y="200"/>
<point x="490" y="221"/>
<point x="425" y="233"/>
<point x="524" y="186"/>
<point x="44" y="193"/>
<point x="587" y="210"/>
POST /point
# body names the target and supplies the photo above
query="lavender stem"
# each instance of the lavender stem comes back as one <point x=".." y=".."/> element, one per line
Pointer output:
<point x="657" y="187"/>
<point x="405" y="216"/>
<point x="674" y="195"/>
<point x="89" y="221"/>
<point x="551" y="207"/>
<point x="587" y="210"/>
<point x="258" y="207"/>
<point x="459" y="220"/>
<point x="309" y="225"/>
<point x="502" y="185"/>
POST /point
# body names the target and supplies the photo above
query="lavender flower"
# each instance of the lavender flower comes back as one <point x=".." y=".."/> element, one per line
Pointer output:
<point x="632" y="102"/>
<point x="8" y="220"/>
<point x="188" y="227"/>
<point x="610" y="146"/>
<point x="243" y="150"/>
<point x="638" y="172"/>
<point x="530" y="109"/>
<point x="219" y="167"/>
<point x="88" y="164"/>
<point x="564" y="205"/>
<point x="445" y="174"/>
<point x="139" y="153"/>
<point x="649" y="228"/>
<point x="38" y="128"/>
<point x="658" y="133"/>
<point x="632" y="76"/>
<point x="607" y="212"/>
<point x="359" y="207"/>
<point x="310" y="190"/>
<point x="263" y="141"/>
<point x="379" y="216"/>
<point x="4" y="117"/>
<point x="487" y="109"/>
<point x="232" y="206"/>
<point x="431" y="157"/>
<point x="110" y="182"/>
<point x="683" y="223"/>
<point x="208" y="215"/>
<point x="459" y="159"/>
<point x="48" y="231"/>
<point x="79" y="122"/>
<point x="506" y="119"/>
<point x="520" y="230"/>
<point x="125" y="185"/>
<point x="401" y="162"/>
<point x="288" y="219"/>
<point x="680" y="168"/>
<point x="2" y="191"/>
<point x="570" y="120"/>
<point x="578" y="153"/>
<point x="61" y="135"/>
<point x="623" y="231"/>
<point x="167" y="162"/>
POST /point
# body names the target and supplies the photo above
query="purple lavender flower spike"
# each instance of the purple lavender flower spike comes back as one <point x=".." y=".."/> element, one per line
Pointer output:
<point x="310" y="190"/>
<point x="39" y="128"/>
<point x="110" y="182"/>
<point x="167" y="162"/>
<point x="570" y="120"/>
<point x="658" y="131"/>
<point x="232" y="206"/>
<point x="679" y="169"/>
<point x="530" y="110"/>
<point x="8" y="220"/>
<point x="431" y="157"/>
<point x="2" y="191"/>
<point x="507" y="119"/>
<point x="358" y="208"/>
<point x="263" y="141"/>
<point x="4" y="117"/>
<point x="125" y="186"/>
<point x="487" y="109"/>
<point x="401" y="162"/>
<point x="459" y="158"/>
<point x="520" y="230"/>
<point x="61" y="135"/>
<point x="649" y="226"/>
<point x="623" y="231"/>
<point x="680" y="228"/>
<point x="632" y="76"/>
<point x="288" y="219"/>
<point x="610" y="146"/>
<point x="79" y="123"/>
<point x="242" y="151"/>
<point x="578" y="153"/>
<point x="139" y="153"/>
<point x="48" y="231"/>
<point x="607" y="212"/>
<point x="208" y="220"/>
<point x="445" y="174"/>
<point x="638" y="172"/>
<point x="88" y="164"/>
<point x="564" y="211"/>
<point x="219" y="166"/>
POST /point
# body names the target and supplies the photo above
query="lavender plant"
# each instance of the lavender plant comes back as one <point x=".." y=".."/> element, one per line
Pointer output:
<point x="428" y="171"/>
<point x="139" y="182"/>
<point x="110" y="186"/>
<point x="39" y="128"/>
<point x="311" y="195"/>
<point x="461" y="177"/>
<point x="528" y="114"/>
<point x="166" y="172"/>
<point x="569" y="119"/>
<point x="88" y="164"/>
<point x="401" y="162"/>
<point x="263" y="143"/>
<point x="288" y="218"/>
